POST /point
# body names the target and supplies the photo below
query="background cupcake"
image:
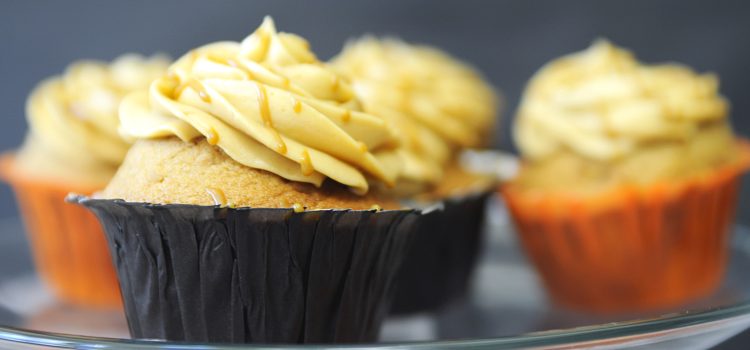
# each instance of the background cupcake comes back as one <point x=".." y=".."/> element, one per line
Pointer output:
<point x="627" y="193"/>
<point x="73" y="145"/>
<point x="438" y="106"/>
<point x="262" y="152"/>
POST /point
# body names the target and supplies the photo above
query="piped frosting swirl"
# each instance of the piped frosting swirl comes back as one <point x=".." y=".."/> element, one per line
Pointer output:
<point x="602" y="104"/>
<point x="269" y="104"/>
<point x="73" y="119"/>
<point x="437" y="103"/>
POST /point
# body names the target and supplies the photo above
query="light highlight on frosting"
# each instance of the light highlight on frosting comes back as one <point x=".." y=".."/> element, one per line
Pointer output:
<point x="269" y="104"/>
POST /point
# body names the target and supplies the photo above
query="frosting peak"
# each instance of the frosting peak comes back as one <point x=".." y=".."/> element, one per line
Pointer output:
<point x="603" y="104"/>
<point x="269" y="104"/>
<point x="437" y="103"/>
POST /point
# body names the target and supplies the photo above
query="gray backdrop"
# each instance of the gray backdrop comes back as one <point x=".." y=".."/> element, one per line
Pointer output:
<point x="507" y="40"/>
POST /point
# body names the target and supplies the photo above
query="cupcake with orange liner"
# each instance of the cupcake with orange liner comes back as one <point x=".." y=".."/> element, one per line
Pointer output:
<point x="439" y="106"/>
<point x="627" y="192"/>
<point x="73" y="146"/>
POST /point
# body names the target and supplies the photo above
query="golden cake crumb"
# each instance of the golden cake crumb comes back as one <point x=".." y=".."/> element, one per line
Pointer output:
<point x="172" y="171"/>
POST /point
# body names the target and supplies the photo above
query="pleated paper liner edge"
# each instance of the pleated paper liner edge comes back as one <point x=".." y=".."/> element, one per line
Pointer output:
<point x="68" y="245"/>
<point x="338" y="307"/>
<point x="631" y="249"/>
<point x="440" y="265"/>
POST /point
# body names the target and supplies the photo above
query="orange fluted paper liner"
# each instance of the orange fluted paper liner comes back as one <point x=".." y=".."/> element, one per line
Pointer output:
<point x="631" y="249"/>
<point x="69" y="248"/>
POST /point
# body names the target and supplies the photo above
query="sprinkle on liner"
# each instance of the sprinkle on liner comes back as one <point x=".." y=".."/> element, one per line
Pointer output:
<point x="217" y="196"/>
<point x="298" y="208"/>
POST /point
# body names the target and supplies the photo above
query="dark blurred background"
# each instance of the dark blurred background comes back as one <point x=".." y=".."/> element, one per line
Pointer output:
<point x="507" y="40"/>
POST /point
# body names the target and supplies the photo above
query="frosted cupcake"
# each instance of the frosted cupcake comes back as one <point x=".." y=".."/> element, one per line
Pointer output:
<point x="73" y="145"/>
<point x="254" y="218"/>
<point x="438" y="106"/>
<point x="626" y="197"/>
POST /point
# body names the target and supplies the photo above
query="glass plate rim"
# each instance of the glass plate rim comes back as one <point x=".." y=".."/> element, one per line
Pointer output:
<point x="672" y="321"/>
<point x="631" y="328"/>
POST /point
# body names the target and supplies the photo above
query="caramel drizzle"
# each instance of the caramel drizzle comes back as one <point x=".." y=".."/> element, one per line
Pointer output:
<point x="248" y="74"/>
<point x="265" y="111"/>
<point x="265" y="39"/>
<point x="305" y="164"/>
<point x="212" y="137"/>
<point x="298" y="208"/>
<point x="335" y="83"/>
<point x="171" y="75"/>
<point x="195" y="85"/>
<point x="297" y="106"/>
<point x="363" y="147"/>
<point x="346" y="117"/>
<point x="285" y="82"/>
<point x="217" y="196"/>
<point x="234" y="64"/>
<point x="280" y="145"/>
<point x="265" y="115"/>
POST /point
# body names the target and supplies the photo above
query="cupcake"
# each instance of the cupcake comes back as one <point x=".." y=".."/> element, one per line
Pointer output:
<point x="73" y="145"/>
<point x="247" y="208"/>
<point x="438" y="106"/>
<point x="630" y="173"/>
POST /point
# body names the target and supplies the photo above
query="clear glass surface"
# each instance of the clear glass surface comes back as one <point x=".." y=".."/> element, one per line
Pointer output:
<point x="506" y="309"/>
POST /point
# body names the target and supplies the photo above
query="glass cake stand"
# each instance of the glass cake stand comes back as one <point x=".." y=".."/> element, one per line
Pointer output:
<point x="506" y="309"/>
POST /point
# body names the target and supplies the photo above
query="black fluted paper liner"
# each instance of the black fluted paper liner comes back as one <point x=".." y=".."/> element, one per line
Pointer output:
<point x="209" y="274"/>
<point x="439" y="265"/>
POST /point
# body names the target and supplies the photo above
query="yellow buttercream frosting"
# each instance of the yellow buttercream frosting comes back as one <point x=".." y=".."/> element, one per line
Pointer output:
<point x="269" y="104"/>
<point x="599" y="118"/>
<point x="603" y="104"/>
<point x="73" y="123"/>
<point x="437" y="103"/>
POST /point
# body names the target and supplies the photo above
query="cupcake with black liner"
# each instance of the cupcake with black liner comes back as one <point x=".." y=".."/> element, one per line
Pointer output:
<point x="439" y="107"/>
<point x="245" y="210"/>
